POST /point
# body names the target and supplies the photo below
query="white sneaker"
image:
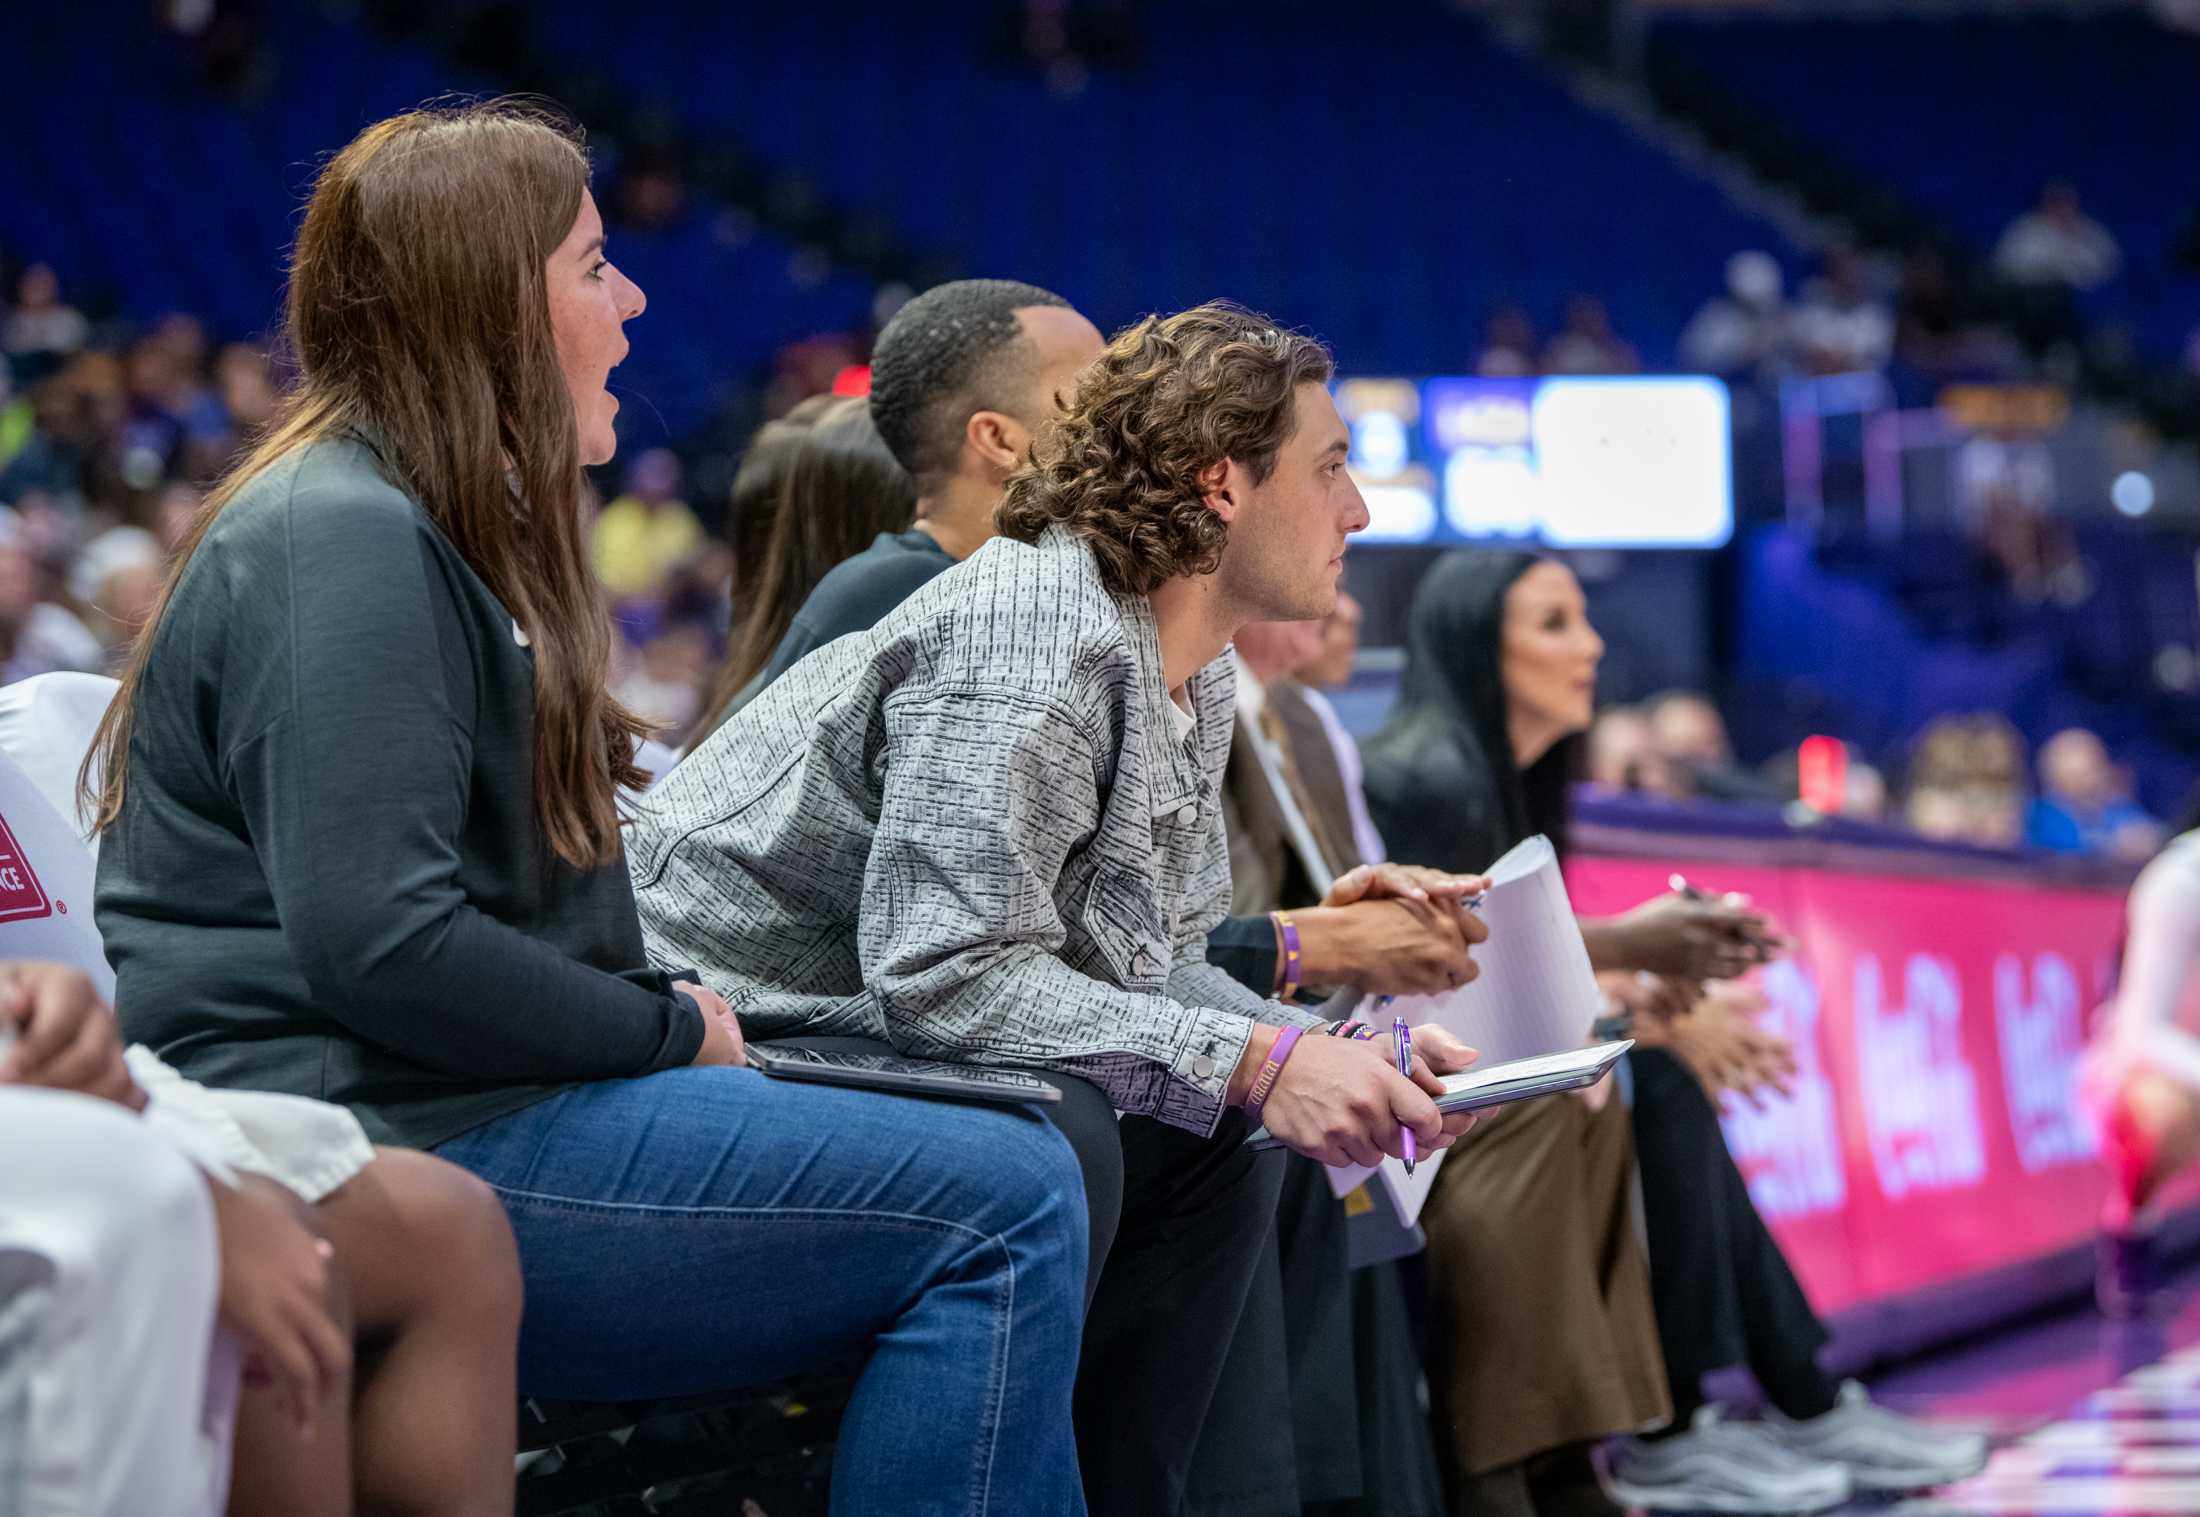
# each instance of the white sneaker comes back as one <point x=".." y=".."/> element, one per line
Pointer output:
<point x="1883" y="1451"/>
<point x="1721" y="1466"/>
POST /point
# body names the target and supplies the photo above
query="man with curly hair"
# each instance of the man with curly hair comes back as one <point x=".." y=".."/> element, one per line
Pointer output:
<point x="989" y="829"/>
<point x="963" y="379"/>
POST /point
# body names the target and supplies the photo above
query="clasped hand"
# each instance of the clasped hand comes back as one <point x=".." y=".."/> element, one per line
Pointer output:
<point x="1394" y="929"/>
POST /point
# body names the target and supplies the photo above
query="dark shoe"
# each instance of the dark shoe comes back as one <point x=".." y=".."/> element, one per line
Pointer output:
<point x="2127" y="1273"/>
<point x="1563" y="1483"/>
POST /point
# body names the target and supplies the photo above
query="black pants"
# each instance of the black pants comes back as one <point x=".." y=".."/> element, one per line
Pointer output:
<point x="1356" y="1442"/>
<point x="1178" y="1224"/>
<point x="1175" y="1298"/>
<point x="1723" y="1291"/>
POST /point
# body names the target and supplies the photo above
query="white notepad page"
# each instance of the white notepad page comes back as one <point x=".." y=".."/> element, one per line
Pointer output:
<point x="1536" y="994"/>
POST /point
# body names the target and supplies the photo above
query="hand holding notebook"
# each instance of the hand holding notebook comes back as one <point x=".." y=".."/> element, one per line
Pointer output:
<point x="1535" y="995"/>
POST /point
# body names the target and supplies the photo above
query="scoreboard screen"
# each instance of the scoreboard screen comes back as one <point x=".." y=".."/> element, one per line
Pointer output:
<point x="1637" y="462"/>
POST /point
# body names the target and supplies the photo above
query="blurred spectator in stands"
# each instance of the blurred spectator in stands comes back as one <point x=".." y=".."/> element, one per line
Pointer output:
<point x="1746" y="333"/>
<point x="1692" y="736"/>
<point x="36" y="636"/>
<point x="223" y="41"/>
<point x="16" y="420"/>
<point x="245" y="376"/>
<point x="1863" y="788"/>
<point x="185" y="395"/>
<point x="1967" y="782"/>
<point x="647" y="532"/>
<point x="173" y="513"/>
<point x="1690" y="731"/>
<point x="1066" y="40"/>
<point x="2057" y="244"/>
<point x="42" y="332"/>
<point x="1935" y="337"/>
<point x="72" y="454"/>
<point x="167" y="405"/>
<point x="1864" y="793"/>
<point x="811" y="366"/>
<point x="115" y="579"/>
<point x="2085" y="803"/>
<point x="651" y="191"/>
<point x="663" y="683"/>
<point x="1508" y="344"/>
<point x="244" y="381"/>
<point x="1624" y="756"/>
<point x="1841" y="324"/>
<point x="2004" y="500"/>
<point x="1586" y="344"/>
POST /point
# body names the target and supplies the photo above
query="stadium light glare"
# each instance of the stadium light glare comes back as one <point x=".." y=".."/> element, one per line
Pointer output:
<point x="2132" y="493"/>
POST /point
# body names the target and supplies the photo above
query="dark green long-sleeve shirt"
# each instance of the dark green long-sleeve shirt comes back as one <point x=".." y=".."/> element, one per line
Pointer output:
<point x="328" y="878"/>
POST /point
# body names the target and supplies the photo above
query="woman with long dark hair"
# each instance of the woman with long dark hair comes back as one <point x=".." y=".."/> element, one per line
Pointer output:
<point x="831" y="486"/>
<point x="1550" y="1337"/>
<point x="362" y="843"/>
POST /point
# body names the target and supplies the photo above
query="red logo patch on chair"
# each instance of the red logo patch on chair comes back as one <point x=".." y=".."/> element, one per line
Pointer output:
<point x="21" y="896"/>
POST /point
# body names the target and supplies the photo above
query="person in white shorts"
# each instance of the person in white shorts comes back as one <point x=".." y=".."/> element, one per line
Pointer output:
<point x="109" y="1281"/>
<point x="2141" y="1077"/>
<point x="304" y="1234"/>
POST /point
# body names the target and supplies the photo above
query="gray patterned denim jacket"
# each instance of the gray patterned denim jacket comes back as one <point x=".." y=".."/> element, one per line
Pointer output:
<point x="975" y="832"/>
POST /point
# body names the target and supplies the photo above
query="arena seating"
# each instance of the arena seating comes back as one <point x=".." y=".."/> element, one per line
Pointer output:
<point x="1965" y="117"/>
<point x="226" y="178"/>
<point x="1408" y="170"/>
<point x="1927" y="635"/>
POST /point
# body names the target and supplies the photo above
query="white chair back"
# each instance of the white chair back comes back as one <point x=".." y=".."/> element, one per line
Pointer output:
<point x="46" y="727"/>
<point x="45" y="884"/>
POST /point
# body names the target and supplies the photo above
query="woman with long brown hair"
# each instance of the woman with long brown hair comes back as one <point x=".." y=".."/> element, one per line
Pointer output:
<point x="362" y="844"/>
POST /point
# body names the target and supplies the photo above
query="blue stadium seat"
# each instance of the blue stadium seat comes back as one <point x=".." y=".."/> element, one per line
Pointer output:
<point x="1380" y="173"/>
<point x="1967" y="117"/>
<point x="150" y="195"/>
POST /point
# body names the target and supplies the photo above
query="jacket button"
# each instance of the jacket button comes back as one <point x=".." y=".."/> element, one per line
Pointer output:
<point x="1202" y="1067"/>
<point x="1186" y="815"/>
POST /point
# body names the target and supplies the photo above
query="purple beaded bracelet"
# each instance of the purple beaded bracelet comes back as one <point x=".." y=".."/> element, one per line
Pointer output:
<point x="1255" y="1099"/>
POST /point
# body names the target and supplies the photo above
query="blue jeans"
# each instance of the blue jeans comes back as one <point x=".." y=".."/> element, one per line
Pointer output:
<point x="705" y="1229"/>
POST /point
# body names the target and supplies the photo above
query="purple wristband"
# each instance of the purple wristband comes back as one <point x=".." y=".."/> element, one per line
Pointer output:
<point x="1289" y="932"/>
<point x="1270" y="1070"/>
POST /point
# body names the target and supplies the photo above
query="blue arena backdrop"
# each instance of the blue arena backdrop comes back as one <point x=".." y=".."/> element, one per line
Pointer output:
<point x="1638" y="462"/>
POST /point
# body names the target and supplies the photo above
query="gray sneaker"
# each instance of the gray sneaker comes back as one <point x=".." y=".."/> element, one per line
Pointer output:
<point x="1884" y="1452"/>
<point x="1721" y="1466"/>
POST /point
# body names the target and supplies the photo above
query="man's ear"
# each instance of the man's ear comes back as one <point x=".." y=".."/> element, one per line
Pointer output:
<point x="1000" y="440"/>
<point x="1220" y="491"/>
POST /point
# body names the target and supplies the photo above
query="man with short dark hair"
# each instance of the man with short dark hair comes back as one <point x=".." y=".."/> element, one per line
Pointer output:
<point x="989" y="829"/>
<point x="961" y="379"/>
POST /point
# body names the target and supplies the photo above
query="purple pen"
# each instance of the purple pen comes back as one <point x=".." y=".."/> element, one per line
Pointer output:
<point x="1404" y="1035"/>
